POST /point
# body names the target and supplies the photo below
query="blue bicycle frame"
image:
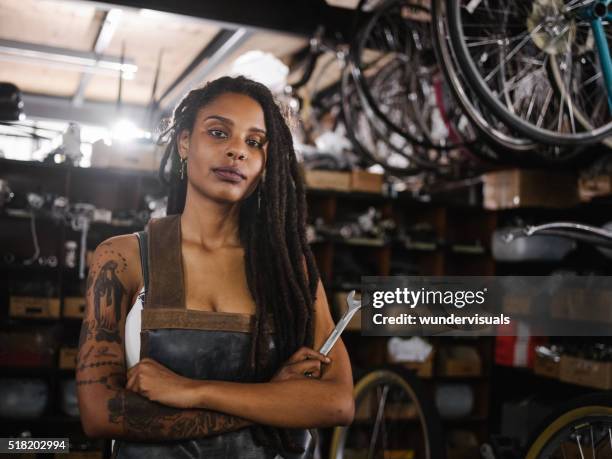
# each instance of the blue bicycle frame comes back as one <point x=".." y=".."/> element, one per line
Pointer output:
<point x="597" y="13"/>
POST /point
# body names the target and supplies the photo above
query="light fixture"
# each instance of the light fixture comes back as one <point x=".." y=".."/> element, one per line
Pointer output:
<point x="262" y="67"/>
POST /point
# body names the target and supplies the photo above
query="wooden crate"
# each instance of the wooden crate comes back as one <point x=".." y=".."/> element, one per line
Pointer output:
<point x="34" y="307"/>
<point x="67" y="358"/>
<point x="459" y="361"/>
<point x="584" y="372"/>
<point x="328" y="180"/>
<point x="74" y="307"/>
<point x="366" y="182"/>
<point x="518" y="188"/>
<point x="544" y="366"/>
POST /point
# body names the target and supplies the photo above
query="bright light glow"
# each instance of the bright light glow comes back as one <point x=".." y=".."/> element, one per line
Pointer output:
<point x="125" y="130"/>
<point x="262" y="67"/>
<point x="22" y="116"/>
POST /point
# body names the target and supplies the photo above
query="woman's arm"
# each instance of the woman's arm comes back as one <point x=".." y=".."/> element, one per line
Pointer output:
<point x="108" y="409"/>
<point x="297" y="402"/>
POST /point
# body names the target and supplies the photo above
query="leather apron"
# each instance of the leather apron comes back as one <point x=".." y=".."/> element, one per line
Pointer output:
<point x="195" y="344"/>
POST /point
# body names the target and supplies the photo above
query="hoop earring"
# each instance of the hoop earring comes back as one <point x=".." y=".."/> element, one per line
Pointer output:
<point x="183" y="167"/>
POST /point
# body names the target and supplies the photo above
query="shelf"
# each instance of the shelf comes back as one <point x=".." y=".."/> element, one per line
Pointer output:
<point x="468" y="249"/>
<point x="420" y="246"/>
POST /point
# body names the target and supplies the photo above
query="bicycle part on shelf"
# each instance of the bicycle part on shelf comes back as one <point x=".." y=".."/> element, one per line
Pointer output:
<point x="395" y="155"/>
<point x="394" y="416"/>
<point x="511" y="244"/>
<point x="500" y="48"/>
<point x="6" y="195"/>
<point x="578" y="231"/>
<point x="81" y="218"/>
<point x="353" y="306"/>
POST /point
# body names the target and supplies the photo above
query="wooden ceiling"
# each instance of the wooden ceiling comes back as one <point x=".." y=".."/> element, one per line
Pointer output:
<point x="74" y="25"/>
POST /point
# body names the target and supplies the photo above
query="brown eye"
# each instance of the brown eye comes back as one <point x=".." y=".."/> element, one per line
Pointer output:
<point x="217" y="133"/>
<point x="254" y="143"/>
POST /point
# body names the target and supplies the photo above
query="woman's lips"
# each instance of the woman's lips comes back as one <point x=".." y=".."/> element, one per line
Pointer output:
<point x="227" y="176"/>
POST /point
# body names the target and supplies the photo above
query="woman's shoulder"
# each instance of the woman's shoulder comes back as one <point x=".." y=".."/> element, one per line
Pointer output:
<point x="124" y="254"/>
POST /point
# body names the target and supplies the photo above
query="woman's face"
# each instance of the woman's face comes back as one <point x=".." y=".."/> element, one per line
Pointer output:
<point x="226" y="148"/>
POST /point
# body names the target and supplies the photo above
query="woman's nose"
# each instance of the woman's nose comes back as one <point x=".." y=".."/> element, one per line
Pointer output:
<point x="237" y="155"/>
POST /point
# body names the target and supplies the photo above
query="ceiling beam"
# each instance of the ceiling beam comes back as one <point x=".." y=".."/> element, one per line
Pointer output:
<point x="298" y="17"/>
<point x="108" y="26"/>
<point x="93" y="113"/>
<point x="64" y="58"/>
<point x="223" y="44"/>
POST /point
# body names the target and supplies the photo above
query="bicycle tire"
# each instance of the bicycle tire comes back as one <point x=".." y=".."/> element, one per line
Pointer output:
<point x="578" y="412"/>
<point x="485" y="94"/>
<point x="357" y="49"/>
<point x="435" y="446"/>
<point x="513" y="145"/>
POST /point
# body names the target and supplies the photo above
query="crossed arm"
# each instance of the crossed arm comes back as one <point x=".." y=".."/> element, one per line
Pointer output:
<point x="155" y="404"/>
<point x="108" y="409"/>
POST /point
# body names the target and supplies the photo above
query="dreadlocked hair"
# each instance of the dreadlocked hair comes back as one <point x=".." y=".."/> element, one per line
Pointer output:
<point x="281" y="272"/>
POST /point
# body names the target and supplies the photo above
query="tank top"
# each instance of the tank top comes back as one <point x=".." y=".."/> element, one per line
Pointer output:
<point x="132" y="331"/>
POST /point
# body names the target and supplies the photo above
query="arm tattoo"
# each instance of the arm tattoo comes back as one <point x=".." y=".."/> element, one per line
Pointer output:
<point x="100" y="364"/>
<point x="145" y="419"/>
<point x="108" y="295"/>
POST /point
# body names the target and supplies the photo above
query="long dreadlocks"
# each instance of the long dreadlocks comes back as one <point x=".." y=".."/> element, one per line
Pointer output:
<point x="272" y="230"/>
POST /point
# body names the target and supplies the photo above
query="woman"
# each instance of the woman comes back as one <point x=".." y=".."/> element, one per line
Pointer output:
<point x="233" y="306"/>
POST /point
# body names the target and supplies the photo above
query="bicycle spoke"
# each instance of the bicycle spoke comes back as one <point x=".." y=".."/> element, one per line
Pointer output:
<point x="379" y="414"/>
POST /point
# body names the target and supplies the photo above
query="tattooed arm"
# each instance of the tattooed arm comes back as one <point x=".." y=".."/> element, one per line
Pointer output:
<point x="108" y="409"/>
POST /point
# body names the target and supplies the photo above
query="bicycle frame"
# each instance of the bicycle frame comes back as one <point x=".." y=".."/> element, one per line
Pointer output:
<point x="596" y="13"/>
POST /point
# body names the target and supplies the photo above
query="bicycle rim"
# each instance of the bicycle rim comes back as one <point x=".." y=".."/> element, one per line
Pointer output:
<point x="503" y="68"/>
<point x="403" y="422"/>
<point x="583" y="432"/>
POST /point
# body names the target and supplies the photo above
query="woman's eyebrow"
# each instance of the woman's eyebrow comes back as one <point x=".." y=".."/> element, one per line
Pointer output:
<point x="223" y="119"/>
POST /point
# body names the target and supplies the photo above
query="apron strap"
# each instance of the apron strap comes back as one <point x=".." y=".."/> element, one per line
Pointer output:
<point x="143" y="245"/>
<point x="166" y="287"/>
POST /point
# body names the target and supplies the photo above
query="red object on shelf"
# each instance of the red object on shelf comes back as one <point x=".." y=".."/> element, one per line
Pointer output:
<point x="518" y="348"/>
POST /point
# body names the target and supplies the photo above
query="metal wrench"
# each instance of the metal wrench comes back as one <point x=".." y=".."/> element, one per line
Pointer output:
<point x="353" y="306"/>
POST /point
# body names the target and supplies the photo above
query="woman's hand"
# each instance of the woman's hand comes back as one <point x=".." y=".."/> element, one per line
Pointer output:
<point x="159" y="384"/>
<point x="304" y="363"/>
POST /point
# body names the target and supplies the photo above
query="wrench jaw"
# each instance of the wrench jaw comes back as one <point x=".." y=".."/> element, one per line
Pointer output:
<point x="352" y="302"/>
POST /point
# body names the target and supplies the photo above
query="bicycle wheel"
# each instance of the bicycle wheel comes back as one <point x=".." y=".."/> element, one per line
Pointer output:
<point x="494" y="131"/>
<point x="394" y="154"/>
<point x="406" y="101"/>
<point x="506" y="49"/>
<point x="580" y="429"/>
<point x="394" y="418"/>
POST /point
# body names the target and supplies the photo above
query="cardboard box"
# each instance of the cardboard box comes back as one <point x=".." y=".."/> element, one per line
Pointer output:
<point x="366" y="182"/>
<point x="591" y="305"/>
<point x="74" y="307"/>
<point x="34" y="307"/>
<point x="135" y="155"/>
<point x="67" y="358"/>
<point x="593" y="187"/>
<point x="517" y="188"/>
<point x="584" y="372"/>
<point x="328" y="180"/>
<point x="459" y="361"/>
<point x="423" y="369"/>
<point x="515" y="303"/>
<point x="546" y="367"/>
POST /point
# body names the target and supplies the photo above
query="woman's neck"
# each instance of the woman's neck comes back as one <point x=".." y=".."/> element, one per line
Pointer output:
<point x="210" y="224"/>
